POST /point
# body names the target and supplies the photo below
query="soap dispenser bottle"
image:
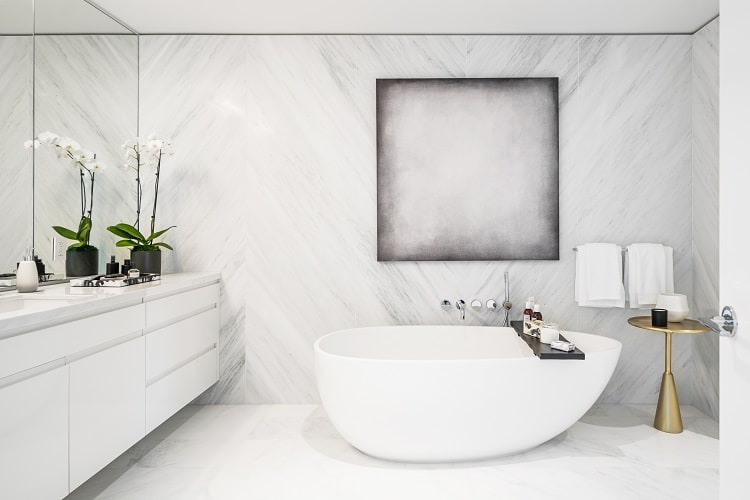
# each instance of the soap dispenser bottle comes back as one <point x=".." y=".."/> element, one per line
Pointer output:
<point x="27" y="276"/>
<point x="528" y="313"/>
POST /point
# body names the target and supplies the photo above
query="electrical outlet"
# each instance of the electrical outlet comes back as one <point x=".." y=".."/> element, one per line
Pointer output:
<point x="58" y="249"/>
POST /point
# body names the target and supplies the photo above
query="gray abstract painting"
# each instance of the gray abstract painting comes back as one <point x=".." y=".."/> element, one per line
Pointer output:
<point x="468" y="169"/>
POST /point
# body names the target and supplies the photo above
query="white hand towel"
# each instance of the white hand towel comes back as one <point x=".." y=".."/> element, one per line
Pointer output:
<point x="650" y="271"/>
<point x="599" y="275"/>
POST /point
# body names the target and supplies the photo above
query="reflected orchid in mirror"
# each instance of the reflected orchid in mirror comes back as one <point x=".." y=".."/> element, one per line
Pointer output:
<point x="87" y="165"/>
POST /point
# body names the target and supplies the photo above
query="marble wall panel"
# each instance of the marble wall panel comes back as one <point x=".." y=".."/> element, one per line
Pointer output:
<point x="632" y="171"/>
<point x="193" y="89"/>
<point x="705" y="122"/>
<point x="275" y="185"/>
<point x="15" y="161"/>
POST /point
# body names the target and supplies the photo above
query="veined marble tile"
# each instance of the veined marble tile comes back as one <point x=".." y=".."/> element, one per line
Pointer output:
<point x="16" y="166"/>
<point x="312" y="244"/>
<point x="705" y="178"/>
<point x="633" y="154"/>
<point x="292" y="452"/>
<point x="291" y="221"/>
<point x="86" y="89"/>
<point x="193" y="90"/>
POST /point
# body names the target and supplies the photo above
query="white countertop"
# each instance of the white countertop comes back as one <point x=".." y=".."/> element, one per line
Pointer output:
<point x="62" y="302"/>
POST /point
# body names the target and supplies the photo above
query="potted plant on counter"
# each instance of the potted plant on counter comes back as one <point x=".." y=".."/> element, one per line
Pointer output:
<point x="81" y="258"/>
<point x="145" y="252"/>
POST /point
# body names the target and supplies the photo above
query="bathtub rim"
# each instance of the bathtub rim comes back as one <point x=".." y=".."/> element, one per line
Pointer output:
<point x="318" y="350"/>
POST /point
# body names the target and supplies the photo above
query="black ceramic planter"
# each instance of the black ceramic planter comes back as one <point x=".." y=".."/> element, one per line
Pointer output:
<point x="146" y="262"/>
<point x="81" y="263"/>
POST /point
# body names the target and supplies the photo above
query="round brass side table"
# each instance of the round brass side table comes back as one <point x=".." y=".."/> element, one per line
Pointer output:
<point x="668" y="417"/>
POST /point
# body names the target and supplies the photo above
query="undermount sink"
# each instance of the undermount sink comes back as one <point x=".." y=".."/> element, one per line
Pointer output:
<point x="18" y="303"/>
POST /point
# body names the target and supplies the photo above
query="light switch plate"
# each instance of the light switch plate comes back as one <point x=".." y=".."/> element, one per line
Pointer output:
<point x="58" y="249"/>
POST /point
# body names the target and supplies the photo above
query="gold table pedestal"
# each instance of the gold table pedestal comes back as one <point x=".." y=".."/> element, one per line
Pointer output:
<point x="668" y="417"/>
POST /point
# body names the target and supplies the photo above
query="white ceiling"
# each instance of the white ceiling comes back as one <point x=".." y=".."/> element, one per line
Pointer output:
<point x="413" y="16"/>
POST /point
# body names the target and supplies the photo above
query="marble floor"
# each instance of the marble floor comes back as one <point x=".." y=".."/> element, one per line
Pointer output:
<point x="292" y="452"/>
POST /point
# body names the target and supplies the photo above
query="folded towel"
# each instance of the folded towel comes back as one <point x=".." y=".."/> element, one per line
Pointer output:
<point x="599" y="275"/>
<point x="649" y="271"/>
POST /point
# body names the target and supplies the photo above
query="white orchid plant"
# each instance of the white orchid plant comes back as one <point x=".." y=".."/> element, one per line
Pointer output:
<point x="143" y="155"/>
<point x="87" y="165"/>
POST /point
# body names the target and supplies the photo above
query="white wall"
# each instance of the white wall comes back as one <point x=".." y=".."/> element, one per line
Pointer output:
<point x="273" y="183"/>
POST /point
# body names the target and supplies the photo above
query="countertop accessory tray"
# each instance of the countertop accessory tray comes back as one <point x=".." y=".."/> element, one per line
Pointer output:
<point x="544" y="351"/>
<point x="113" y="281"/>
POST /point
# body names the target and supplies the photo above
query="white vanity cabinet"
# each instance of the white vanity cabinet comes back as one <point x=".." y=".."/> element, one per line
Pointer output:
<point x="182" y="335"/>
<point x="80" y="385"/>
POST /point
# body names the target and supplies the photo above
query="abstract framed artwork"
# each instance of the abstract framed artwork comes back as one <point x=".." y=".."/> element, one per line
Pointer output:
<point x="467" y="169"/>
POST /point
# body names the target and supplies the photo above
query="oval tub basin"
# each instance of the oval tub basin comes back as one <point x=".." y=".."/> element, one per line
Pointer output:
<point x="454" y="393"/>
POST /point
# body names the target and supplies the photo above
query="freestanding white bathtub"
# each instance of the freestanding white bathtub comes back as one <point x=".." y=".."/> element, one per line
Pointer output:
<point x="454" y="393"/>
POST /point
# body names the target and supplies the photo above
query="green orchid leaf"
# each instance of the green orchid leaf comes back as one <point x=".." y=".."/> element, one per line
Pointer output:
<point x="126" y="243"/>
<point x="118" y="232"/>
<point x="84" y="229"/>
<point x="65" y="232"/>
<point x="76" y="245"/>
<point x="163" y="245"/>
<point x="155" y="235"/>
<point x="131" y="231"/>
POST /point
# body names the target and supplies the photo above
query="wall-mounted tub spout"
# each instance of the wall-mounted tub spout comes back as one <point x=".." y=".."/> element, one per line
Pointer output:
<point x="461" y="306"/>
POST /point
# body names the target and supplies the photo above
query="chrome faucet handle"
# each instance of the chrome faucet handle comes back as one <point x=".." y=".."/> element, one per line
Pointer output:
<point x="476" y="304"/>
<point x="491" y="304"/>
<point x="445" y="304"/>
<point x="461" y="306"/>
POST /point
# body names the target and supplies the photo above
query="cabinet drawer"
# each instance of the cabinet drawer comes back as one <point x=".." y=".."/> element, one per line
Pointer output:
<point x="34" y="437"/>
<point x="107" y="407"/>
<point x="165" y="397"/>
<point x="169" y="347"/>
<point x="42" y="346"/>
<point x="162" y="312"/>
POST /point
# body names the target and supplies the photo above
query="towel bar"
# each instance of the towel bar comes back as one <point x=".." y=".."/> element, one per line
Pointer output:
<point x="575" y="249"/>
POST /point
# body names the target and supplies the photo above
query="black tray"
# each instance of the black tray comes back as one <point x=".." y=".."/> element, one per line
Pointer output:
<point x="544" y="351"/>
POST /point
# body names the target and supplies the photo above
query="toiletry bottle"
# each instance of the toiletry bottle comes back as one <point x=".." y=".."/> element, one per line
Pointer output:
<point x="113" y="267"/>
<point x="27" y="276"/>
<point x="527" y="313"/>
<point x="125" y="267"/>
<point x="537" y="315"/>
<point x="40" y="268"/>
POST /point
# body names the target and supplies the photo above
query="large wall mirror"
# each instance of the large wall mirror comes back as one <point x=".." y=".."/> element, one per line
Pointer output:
<point x="85" y="89"/>
<point x="16" y="115"/>
<point x="68" y="68"/>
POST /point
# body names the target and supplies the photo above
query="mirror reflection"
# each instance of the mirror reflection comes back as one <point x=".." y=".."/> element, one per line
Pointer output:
<point x="16" y="163"/>
<point x="85" y="92"/>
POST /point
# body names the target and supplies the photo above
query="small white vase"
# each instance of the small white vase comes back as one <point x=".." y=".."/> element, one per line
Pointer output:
<point x="676" y="305"/>
<point x="27" y="277"/>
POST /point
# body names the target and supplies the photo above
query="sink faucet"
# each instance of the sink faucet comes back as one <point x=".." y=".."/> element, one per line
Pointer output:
<point x="461" y="306"/>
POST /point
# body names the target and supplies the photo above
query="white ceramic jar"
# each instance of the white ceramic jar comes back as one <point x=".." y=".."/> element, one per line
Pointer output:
<point x="548" y="333"/>
<point x="676" y="305"/>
